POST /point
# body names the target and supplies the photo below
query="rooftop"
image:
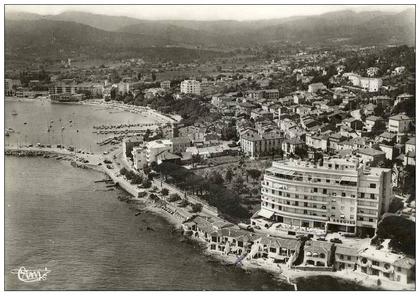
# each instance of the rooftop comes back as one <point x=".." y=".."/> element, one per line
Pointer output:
<point x="400" y="117"/>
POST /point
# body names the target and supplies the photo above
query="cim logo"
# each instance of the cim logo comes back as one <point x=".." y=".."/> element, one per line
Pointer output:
<point x="28" y="275"/>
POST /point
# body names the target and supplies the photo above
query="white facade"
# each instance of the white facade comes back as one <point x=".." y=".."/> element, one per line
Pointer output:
<point x="399" y="123"/>
<point x="190" y="87"/>
<point x="165" y="84"/>
<point x="123" y="88"/>
<point x="371" y="84"/>
<point x="340" y="195"/>
<point x="154" y="148"/>
<point x="139" y="157"/>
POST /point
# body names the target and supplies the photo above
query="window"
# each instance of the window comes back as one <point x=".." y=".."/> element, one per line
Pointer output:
<point x="272" y="250"/>
<point x="327" y="180"/>
<point x="341" y="256"/>
<point x="305" y="212"/>
<point x="315" y="190"/>
<point x="362" y="195"/>
<point x="372" y="185"/>
<point x="372" y="196"/>
<point x="343" y="194"/>
<point x="296" y="203"/>
<point x="305" y="204"/>
<point x="305" y="197"/>
<point x="348" y="257"/>
<point x="324" y="191"/>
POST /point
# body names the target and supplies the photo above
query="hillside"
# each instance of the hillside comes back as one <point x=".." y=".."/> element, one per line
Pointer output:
<point x="25" y="40"/>
<point x="30" y="35"/>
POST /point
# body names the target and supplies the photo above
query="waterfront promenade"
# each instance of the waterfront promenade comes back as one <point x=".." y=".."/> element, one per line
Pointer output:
<point x="177" y="215"/>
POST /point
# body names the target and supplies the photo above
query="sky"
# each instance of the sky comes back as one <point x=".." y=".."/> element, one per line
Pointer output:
<point x="202" y="12"/>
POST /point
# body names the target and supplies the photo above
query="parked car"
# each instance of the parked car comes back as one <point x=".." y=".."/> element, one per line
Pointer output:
<point x="336" y="241"/>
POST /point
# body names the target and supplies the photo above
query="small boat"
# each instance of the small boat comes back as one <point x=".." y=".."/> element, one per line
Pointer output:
<point x="14" y="113"/>
<point x="7" y="133"/>
<point x="62" y="128"/>
<point x="25" y="123"/>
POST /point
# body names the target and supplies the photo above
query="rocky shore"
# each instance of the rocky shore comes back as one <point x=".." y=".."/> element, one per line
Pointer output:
<point x="145" y="204"/>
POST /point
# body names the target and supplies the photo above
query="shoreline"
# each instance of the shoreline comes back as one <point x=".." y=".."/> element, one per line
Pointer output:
<point x="281" y="272"/>
<point x="158" y="116"/>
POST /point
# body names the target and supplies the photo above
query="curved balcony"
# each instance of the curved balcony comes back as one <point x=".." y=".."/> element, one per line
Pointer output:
<point x="309" y="183"/>
<point x="297" y="215"/>
<point x="295" y="199"/>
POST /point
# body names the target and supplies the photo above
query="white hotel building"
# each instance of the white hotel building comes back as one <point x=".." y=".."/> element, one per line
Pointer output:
<point x="339" y="195"/>
<point x="190" y="87"/>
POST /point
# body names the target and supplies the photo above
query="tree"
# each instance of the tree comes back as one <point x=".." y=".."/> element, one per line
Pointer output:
<point x="164" y="192"/>
<point x="147" y="169"/>
<point x="128" y="98"/>
<point x="139" y="99"/>
<point x="196" y="159"/>
<point x="301" y="152"/>
<point x="137" y="179"/>
<point x="216" y="178"/>
<point x="184" y="203"/>
<point x="254" y="173"/>
<point x="123" y="171"/>
<point x="196" y="207"/>
<point x="238" y="184"/>
<point x="229" y="175"/>
<point x="174" y="197"/>
<point x="147" y="134"/>
<point x="400" y="230"/>
<point x="113" y="93"/>
<point x="146" y="183"/>
<point x="114" y="77"/>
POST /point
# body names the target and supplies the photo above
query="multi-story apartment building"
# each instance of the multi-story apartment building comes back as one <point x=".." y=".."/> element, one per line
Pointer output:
<point x="10" y="86"/>
<point x="337" y="195"/>
<point x="371" y="84"/>
<point x="154" y="148"/>
<point x="69" y="86"/>
<point x="166" y="84"/>
<point x="399" y="123"/>
<point x="190" y="87"/>
<point x="66" y="86"/>
<point x="254" y="144"/>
